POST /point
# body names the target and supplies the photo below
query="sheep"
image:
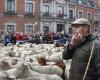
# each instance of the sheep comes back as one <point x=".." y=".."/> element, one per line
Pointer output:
<point x="11" y="53"/>
<point x="2" y="75"/>
<point x="49" y="77"/>
<point x="33" y="78"/>
<point x="24" y="71"/>
<point x="55" y="57"/>
<point x="48" y="69"/>
<point x="24" y="62"/>
<point x="4" y="65"/>
<point x="68" y="65"/>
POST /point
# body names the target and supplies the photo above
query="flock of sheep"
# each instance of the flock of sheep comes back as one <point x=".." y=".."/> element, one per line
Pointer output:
<point x="33" y="62"/>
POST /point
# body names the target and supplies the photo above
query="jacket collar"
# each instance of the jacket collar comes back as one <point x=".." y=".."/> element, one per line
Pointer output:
<point x="90" y="37"/>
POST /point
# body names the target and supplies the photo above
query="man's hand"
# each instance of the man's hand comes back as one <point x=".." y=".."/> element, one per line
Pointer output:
<point x="76" y="38"/>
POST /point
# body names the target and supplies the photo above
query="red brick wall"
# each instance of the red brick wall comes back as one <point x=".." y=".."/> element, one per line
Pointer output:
<point x="20" y="19"/>
<point x="37" y="15"/>
<point x="85" y="10"/>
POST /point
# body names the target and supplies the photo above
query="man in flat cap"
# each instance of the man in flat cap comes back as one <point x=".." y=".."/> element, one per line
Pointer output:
<point x="82" y="44"/>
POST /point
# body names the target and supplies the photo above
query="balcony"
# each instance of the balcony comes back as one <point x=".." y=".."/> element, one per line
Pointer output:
<point x="46" y="14"/>
<point x="60" y="16"/>
<point x="71" y="18"/>
<point x="28" y="14"/>
<point x="10" y="13"/>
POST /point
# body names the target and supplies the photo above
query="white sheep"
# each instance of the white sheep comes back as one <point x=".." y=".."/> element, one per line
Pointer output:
<point x="48" y="69"/>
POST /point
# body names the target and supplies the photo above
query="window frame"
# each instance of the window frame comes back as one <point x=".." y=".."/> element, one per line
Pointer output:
<point x="79" y="12"/>
<point x="6" y="25"/>
<point x="89" y="17"/>
<point x="47" y="8"/>
<point x="62" y="11"/>
<point x="27" y="25"/>
<point x="33" y="7"/>
<point x="6" y="6"/>
<point x="73" y="12"/>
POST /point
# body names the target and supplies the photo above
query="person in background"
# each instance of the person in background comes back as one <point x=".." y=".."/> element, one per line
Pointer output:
<point x="7" y="39"/>
<point x="37" y="38"/>
<point x="13" y="39"/>
<point x="79" y="50"/>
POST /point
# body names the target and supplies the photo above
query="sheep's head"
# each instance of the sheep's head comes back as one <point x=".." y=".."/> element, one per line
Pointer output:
<point x="31" y="46"/>
<point x="42" y="61"/>
<point x="14" y="61"/>
<point x="3" y="63"/>
<point x="11" y="53"/>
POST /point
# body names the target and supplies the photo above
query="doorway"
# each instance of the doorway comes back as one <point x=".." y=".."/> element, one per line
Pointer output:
<point x="60" y="27"/>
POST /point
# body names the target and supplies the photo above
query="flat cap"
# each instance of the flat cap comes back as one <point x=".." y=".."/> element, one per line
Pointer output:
<point x="81" y="21"/>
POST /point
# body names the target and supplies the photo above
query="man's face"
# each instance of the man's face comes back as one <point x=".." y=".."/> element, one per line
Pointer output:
<point x="79" y="30"/>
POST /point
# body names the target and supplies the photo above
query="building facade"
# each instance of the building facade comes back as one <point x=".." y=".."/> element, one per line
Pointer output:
<point x="89" y="9"/>
<point x="53" y="15"/>
<point x="19" y="15"/>
<point x="30" y="16"/>
<point x="57" y="15"/>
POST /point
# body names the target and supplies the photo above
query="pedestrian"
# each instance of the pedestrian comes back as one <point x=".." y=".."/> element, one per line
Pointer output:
<point x="37" y="39"/>
<point x="13" y="39"/>
<point x="79" y="50"/>
<point x="7" y="39"/>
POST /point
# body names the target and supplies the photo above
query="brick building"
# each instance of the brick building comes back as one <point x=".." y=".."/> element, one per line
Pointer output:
<point x="88" y="9"/>
<point x="45" y="15"/>
<point x="19" y="15"/>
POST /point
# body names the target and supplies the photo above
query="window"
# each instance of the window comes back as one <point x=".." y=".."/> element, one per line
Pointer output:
<point x="60" y="11"/>
<point x="60" y="27"/>
<point x="46" y="8"/>
<point x="10" y="5"/>
<point x="46" y="29"/>
<point x="10" y="27"/>
<point x="89" y="16"/>
<point x="80" y="14"/>
<point x="96" y="17"/>
<point x="29" y="7"/>
<point x="71" y="14"/>
<point x="29" y="28"/>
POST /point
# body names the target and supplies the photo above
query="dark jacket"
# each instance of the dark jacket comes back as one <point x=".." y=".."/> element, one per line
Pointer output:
<point x="7" y="40"/>
<point x="13" y="39"/>
<point x="80" y="56"/>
